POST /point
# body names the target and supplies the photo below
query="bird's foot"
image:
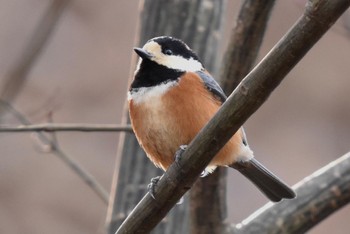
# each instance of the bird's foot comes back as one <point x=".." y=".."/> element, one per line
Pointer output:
<point x="151" y="187"/>
<point x="179" y="152"/>
<point x="178" y="155"/>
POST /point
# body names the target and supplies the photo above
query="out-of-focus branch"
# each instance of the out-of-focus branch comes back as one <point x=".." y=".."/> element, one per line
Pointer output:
<point x="208" y="204"/>
<point x="66" y="127"/>
<point x="16" y="76"/>
<point x="56" y="150"/>
<point x="246" y="38"/>
<point x="319" y="195"/>
<point x="250" y="94"/>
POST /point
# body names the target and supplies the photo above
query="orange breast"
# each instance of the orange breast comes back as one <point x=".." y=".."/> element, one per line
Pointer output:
<point x="163" y="123"/>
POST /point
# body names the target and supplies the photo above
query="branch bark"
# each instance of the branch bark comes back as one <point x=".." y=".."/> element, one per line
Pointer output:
<point x="66" y="127"/>
<point x="251" y="93"/>
<point x="319" y="195"/>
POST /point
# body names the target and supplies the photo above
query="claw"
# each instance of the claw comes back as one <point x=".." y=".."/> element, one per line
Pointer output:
<point x="151" y="189"/>
<point x="152" y="186"/>
<point x="179" y="153"/>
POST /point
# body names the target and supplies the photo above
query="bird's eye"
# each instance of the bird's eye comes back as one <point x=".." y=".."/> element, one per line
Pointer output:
<point x="168" y="52"/>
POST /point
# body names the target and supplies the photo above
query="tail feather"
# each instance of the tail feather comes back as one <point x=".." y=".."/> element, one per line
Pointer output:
<point x="269" y="184"/>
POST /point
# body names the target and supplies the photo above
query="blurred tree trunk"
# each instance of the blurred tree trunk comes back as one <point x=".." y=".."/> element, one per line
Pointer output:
<point x="198" y="23"/>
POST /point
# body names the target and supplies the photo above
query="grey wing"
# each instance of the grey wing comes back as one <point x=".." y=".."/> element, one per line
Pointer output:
<point x="212" y="86"/>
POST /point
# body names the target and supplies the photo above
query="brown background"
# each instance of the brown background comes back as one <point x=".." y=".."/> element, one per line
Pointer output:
<point x="82" y="76"/>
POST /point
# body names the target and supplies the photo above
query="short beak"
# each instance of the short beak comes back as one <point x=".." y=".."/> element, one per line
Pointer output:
<point x="143" y="53"/>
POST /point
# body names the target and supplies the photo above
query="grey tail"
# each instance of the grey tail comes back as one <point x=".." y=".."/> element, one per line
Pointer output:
<point x="269" y="184"/>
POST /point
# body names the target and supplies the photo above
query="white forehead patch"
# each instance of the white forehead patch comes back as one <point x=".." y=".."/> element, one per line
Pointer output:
<point x="144" y="94"/>
<point x="171" y="61"/>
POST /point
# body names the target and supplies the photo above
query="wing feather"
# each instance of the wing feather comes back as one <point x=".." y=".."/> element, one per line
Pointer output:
<point x="217" y="91"/>
<point x="212" y="86"/>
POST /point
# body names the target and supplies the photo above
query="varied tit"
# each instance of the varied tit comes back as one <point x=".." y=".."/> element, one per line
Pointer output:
<point x="170" y="100"/>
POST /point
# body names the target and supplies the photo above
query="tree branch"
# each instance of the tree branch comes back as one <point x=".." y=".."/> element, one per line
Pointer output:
<point x="41" y="35"/>
<point x="246" y="39"/>
<point x="66" y="127"/>
<point x="75" y="166"/>
<point x="319" y="195"/>
<point x="242" y="103"/>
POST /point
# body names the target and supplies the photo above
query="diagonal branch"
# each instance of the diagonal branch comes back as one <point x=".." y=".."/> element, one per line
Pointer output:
<point x="41" y="35"/>
<point x="66" y="127"/>
<point x="252" y="92"/>
<point x="319" y="195"/>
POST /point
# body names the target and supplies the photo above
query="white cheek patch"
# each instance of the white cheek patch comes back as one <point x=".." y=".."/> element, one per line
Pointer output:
<point x="179" y="63"/>
<point x="144" y="94"/>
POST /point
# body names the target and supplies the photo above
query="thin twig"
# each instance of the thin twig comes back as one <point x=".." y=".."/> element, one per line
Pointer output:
<point x="75" y="166"/>
<point x="250" y="94"/>
<point x="53" y="134"/>
<point x="66" y="127"/>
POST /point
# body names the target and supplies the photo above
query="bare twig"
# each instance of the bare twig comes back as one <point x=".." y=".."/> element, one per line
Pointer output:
<point x="66" y="127"/>
<point x="75" y="166"/>
<point x="319" y="195"/>
<point x="53" y="134"/>
<point x="251" y="93"/>
<point x="16" y="76"/>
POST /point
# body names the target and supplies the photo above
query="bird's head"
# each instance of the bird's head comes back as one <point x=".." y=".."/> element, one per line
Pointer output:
<point x="171" y="53"/>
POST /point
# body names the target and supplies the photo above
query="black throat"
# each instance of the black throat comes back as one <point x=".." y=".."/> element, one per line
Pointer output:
<point x="152" y="74"/>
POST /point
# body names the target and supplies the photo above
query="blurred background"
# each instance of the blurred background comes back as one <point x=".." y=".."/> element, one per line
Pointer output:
<point x="81" y="76"/>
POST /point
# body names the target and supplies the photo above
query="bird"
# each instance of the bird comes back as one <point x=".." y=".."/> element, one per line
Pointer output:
<point x="171" y="98"/>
